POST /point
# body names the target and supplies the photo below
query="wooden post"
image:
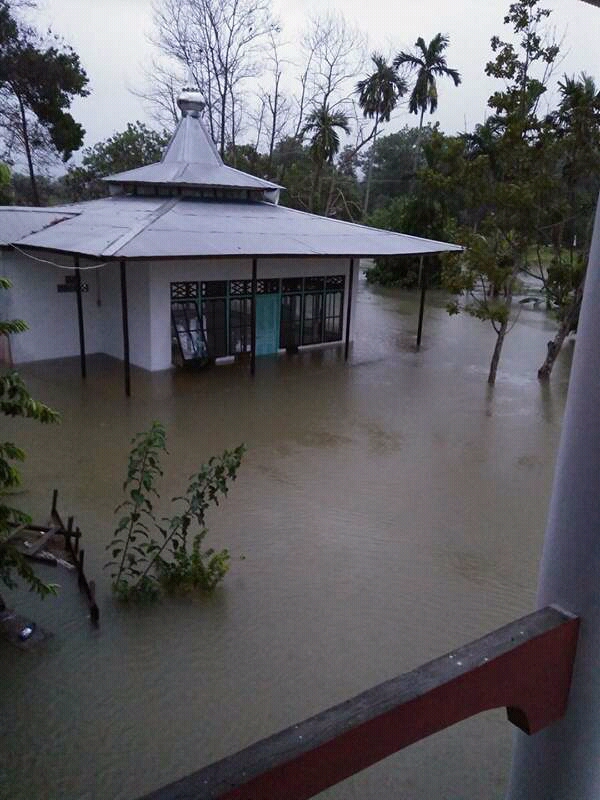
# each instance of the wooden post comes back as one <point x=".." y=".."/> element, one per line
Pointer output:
<point x="423" y="285"/>
<point x="80" y="318"/>
<point x="564" y="761"/>
<point x="253" y="318"/>
<point x="80" y="556"/>
<point x="349" y="309"/>
<point x="125" y="315"/>
<point x="68" y="533"/>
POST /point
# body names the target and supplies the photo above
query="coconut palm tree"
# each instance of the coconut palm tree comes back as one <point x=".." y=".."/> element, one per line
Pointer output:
<point x="579" y="108"/>
<point x="323" y="124"/>
<point x="429" y="62"/>
<point x="378" y="96"/>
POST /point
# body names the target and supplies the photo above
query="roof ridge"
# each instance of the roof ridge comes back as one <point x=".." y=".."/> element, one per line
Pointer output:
<point x="131" y="234"/>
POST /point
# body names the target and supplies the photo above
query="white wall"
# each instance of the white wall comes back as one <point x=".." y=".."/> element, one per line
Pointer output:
<point x="52" y="316"/>
<point x="163" y="273"/>
<point x="111" y="315"/>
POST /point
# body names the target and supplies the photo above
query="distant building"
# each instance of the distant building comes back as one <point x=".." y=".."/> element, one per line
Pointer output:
<point x="187" y="258"/>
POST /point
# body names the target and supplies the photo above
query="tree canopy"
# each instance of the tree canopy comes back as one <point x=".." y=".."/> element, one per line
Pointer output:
<point x="39" y="77"/>
<point x="136" y="146"/>
<point x="15" y="401"/>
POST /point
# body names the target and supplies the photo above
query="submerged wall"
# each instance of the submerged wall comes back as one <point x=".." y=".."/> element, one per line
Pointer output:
<point x="52" y="315"/>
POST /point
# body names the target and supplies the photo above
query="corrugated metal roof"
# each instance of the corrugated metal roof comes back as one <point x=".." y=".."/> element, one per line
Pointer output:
<point x="178" y="173"/>
<point x="144" y="227"/>
<point x="175" y="226"/>
<point x="19" y="221"/>
<point x="190" y="160"/>
<point x="191" y="144"/>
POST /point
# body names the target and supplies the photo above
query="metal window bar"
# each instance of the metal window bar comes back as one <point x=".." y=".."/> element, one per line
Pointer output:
<point x="188" y="331"/>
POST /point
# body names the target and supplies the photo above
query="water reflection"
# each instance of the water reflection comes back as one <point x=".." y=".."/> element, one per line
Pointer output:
<point x="387" y="510"/>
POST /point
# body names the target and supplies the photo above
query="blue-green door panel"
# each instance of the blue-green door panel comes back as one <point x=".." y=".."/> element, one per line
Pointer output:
<point x="268" y="308"/>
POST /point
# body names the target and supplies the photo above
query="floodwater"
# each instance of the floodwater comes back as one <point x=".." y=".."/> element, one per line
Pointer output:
<point x="388" y="510"/>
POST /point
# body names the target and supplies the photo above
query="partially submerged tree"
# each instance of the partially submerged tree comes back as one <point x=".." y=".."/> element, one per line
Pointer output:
<point x="39" y="77"/>
<point x="577" y="121"/>
<point x="486" y="275"/>
<point x="511" y="173"/>
<point x="15" y="401"/>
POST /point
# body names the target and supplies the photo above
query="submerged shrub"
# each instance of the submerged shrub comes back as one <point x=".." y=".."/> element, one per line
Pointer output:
<point x="149" y="554"/>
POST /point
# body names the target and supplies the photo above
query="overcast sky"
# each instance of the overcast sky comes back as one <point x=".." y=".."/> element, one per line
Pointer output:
<point x="110" y="37"/>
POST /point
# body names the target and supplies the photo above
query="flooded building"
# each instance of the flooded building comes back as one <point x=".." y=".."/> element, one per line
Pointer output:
<point x="186" y="259"/>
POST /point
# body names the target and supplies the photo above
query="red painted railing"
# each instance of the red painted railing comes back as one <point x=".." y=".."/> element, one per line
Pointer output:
<point x="525" y="666"/>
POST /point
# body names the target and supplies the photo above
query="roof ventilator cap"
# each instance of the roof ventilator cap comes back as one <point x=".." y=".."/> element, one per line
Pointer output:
<point x="191" y="102"/>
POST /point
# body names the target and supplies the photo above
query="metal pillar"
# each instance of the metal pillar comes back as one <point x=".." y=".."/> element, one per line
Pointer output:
<point x="80" y="319"/>
<point x="423" y="285"/>
<point x="563" y="761"/>
<point x="125" y="315"/>
<point x="349" y="309"/>
<point x="253" y="319"/>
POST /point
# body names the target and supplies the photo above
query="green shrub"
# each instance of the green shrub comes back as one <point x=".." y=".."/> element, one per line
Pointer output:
<point x="150" y="554"/>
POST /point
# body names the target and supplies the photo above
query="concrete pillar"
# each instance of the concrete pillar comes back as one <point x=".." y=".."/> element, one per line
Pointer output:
<point x="563" y="761"/>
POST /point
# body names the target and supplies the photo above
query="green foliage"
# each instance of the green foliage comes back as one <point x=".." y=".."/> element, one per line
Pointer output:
<point x="148" y="553"/>
<point x="15" y="401"/>
<point x="429" y="62"/>
<point x="39" y="77"/>
<point x="393" y="158"/>
<point x="485" y="274"/>
<point x="134" y="147"/>
<point x="5" y="192"/>
<point x="195" y="571"/>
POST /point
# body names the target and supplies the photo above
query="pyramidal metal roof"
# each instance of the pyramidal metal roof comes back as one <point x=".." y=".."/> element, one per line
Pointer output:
<point x="191" y="159"/>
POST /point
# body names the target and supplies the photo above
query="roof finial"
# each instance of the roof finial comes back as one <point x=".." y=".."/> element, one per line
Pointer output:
<point x="191" y="100"/>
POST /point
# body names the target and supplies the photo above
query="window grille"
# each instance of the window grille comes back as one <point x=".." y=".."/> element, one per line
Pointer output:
<point x="240" y="288"/>
<point x="184" y="290"/>
<point x="214" y="289"/>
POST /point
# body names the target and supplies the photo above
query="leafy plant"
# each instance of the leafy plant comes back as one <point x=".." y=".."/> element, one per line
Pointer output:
<point x="15" y="401"/>
<point x="150" y="553"/>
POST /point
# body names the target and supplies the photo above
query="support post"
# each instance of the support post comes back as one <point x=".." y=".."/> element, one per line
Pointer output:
<point x="253" y="319"/>
<point x="125" y="315"/>
<point x="423" y="285"/>
<point x="80" y="318"/>
<point x="564" y="760"/>
<point x="349" y="309"/>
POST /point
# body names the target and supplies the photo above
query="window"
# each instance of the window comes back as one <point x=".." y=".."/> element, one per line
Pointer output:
<point x="311" y="310"/>
<point x="291" y="320"/>
<point x="240" y="325"/>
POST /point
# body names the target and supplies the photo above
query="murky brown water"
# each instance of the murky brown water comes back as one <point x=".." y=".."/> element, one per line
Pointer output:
<point x="388" y="511"/>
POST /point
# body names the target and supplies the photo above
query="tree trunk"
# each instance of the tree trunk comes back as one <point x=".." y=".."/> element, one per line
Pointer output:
<point x="34" y="188"/>
<point x="315" y="192"/>
<point x="497" y="351"/>
<point x="418" y="146"/>
<point x="330" y="195"/>
<point x="370" y="171"/>
<point x="566" y="326"/>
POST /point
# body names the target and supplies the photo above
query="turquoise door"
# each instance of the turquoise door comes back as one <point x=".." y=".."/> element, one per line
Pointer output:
<point x="267" y="323"/>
